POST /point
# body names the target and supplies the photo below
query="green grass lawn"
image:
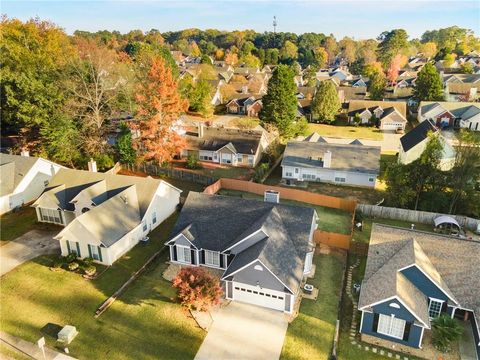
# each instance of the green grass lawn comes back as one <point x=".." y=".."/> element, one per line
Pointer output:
<point x="331" y="220"/>
<point x="229" y="172"/>
<point x="385" y="161"/>
<point x="354" y="132"/>
<point x="15" y="224"/>
<point x="143" y="323"/>
<point x="310" y="335"/>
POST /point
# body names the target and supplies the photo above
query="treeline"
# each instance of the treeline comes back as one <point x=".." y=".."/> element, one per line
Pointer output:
<point x="61" y="96"/>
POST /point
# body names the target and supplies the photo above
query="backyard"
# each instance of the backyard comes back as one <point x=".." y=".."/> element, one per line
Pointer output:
<point x="310" y="335"/>
<point x="143" y="323"/>
<point x="352" y="132"/>
<point x="330" y="219"/>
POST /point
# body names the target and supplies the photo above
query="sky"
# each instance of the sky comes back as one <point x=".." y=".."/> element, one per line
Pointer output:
<point x="358" y="19"/>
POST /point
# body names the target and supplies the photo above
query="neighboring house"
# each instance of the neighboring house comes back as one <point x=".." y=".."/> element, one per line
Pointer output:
<point x="461" y="87"/>
<point x="346" y="164"/>
<point x="412" y="277"/>
<point x="216" y="93"/>
<point x="306" y="92"/>
<point x="23" y="179"/>
<point x="264" y="248"/>
<point x="451" y="114"/>
<point x="348" y="93"/>
<point x="341" y="75"/>
<point x="104" y="215"/>
<point x="245" y="105"/>
<point x="227" y="146"/>
<point x="413" y="143"/>
<point x="392" y="114"/>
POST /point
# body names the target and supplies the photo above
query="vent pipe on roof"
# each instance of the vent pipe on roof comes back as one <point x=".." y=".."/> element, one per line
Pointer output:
<point x="25" y="153"/>
<point x="92" y="165"/>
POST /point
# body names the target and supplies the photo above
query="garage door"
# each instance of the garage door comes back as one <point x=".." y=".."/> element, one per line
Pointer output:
<point x="391" y="126"/>
<point x="261" y="297"/>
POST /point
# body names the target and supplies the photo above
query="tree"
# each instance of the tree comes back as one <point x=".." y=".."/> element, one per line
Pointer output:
<point x="271" y="56"/>
<point x="206" y="72"/>
<point x="396" y="64"/>
<point x="251" y="61"/>
<point x="466" y="68"/>
<point x="200" y="99"/>
<point x="391" y="43"/>
<point x="205" y="59"/>
<point x="445" y="330"/>
<point x="449" y="59"/>
<point x="289" y="52"/>
<point x="399" y="193"/>
<point x="330" y="45"/>
<point x="428" y="86"/>
<point x="197" y="289"/>
<point x="159" y="107"/>
<point x="376" y="85"/>
<point x="349" y="49"/>
<point x="429" y="49"/>
<point x="193" y="49"/>
<point x="124" y="145"/>
<point x="231" y="58"/>
<point x="326" y="103"/>
<point x="321" y="57"/>
<point x="466" y="170"/>
<point x="280" y="103"/>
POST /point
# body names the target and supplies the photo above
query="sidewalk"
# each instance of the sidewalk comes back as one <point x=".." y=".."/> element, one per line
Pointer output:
<point x="32" y="350"/>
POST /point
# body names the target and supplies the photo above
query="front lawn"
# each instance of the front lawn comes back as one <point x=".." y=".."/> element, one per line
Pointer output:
<point x="351" y="132"/>
<point x="15" y="224"/>
<point x="330" y="219"/>
<point x="143" y="323"/>
<point x="310" y="335"/>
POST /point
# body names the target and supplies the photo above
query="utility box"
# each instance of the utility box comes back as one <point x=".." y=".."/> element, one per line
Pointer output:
<point x="67" y="334"/>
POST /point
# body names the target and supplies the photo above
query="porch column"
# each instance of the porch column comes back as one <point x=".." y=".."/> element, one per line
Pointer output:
<point x="465" y="317"/>
<point x="453" y="312"/>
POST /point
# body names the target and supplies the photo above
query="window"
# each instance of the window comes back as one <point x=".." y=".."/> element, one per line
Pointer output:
<point x="340" y="179"/>
<point x="289" y="174"/>
<point x="308" y="176"/>
<point x="391" y="326"/>
<point x="434" y="308"/>
<point x="144" y="223"/>
<point x="73" y="248"/>
<point x="371" y="179"/>
<point x="184" y="254"/>
<point x="95" y="252"/>
<point x="212" y="258"/>
<point x="250" y="160"/>
<point x="239" y="158"/>
<point x="50" y="215"/>
<point x="296" y="170"/>
<point x="154" y="217"/>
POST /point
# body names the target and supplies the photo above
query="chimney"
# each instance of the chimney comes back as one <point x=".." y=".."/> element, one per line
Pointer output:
<point x="92" y="165"/>
<point x="25" y="153"/>
<point x="244" y="89"/>
<point x="327" y="159"/>
<point x="200" y="129"/>
<point x="271" y="196"/>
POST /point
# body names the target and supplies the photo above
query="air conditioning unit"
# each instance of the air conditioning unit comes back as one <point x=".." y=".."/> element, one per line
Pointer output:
<point x="272" y="196"/>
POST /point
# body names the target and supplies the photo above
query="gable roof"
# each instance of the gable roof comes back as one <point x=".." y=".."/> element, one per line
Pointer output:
<point x="417" y="135"/>
<point x="356" y="105"/>
<point x="216" y="223"/>
<point x="14" y="168"/>
<point x="315" y="137"/>
<point x="462" y="110"/>
<point x="449" y="262"/>
<point x="346" y="157"/>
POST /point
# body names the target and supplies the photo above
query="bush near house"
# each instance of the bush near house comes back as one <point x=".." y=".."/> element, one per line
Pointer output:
<point x="197" y="289"/>
<point x="445" y="331"/>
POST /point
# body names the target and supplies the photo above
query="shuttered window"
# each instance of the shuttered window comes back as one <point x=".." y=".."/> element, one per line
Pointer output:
<point x="391" y="326"/>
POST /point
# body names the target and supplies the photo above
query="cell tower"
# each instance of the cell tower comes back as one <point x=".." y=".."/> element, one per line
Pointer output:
<point x="274" y="24"/>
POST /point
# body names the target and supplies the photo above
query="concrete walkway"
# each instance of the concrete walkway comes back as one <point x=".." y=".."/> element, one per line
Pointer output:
<point x="242" y="331"/>
<point x="26" y="247"/>
<point x="467" y="342"/>
<point x="32" y="350"/>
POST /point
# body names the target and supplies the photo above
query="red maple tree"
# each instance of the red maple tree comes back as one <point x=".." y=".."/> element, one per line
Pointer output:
<point x="159" y="108"/>
<point x="197" y="289"/>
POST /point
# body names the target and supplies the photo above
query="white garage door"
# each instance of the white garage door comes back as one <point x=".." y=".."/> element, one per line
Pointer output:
<point x="391" y="126"/>
<point x="256" y="296"/>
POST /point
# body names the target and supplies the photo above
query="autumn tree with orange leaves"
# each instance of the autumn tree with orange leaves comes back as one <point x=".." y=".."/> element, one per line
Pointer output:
<point x="159" y="107"/>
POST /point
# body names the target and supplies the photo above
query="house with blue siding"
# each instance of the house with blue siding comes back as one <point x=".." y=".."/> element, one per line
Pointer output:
<point x="412" y="277"/>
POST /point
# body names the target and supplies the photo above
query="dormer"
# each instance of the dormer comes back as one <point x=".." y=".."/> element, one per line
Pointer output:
<point x="378" y="112"/>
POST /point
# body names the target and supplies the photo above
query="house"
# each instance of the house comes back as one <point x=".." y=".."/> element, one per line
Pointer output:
<point x="461" y="87"/>
<point x="346" y="164"/>
<point x="451" y="114"/>
<point x="411" y="277"/>
<point x="245" y="105"/>
<point x="341" y="74"/>
<point x="23" y="179"/>
<point x="228" y="146"/>
<point x="413" y="143"/>
<point x="265" y="249"/>
<point x="391" y="114"/>
<point x="348" y="93"/>
<point x="104" y="214"/>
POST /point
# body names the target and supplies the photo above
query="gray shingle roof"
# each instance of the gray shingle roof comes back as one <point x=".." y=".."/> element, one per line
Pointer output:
<point x="345" y="157"/>
<point x="451" y="262"/>
<point x="217" y="222"/>
<point x="13" y="169"/>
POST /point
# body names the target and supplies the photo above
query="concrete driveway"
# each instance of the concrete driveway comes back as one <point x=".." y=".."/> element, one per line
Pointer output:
<point x="26" y="247"/>
<point x="242" y="331"/>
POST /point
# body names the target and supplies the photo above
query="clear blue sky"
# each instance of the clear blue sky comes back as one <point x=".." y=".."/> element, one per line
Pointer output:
<point x="360" y="19"/>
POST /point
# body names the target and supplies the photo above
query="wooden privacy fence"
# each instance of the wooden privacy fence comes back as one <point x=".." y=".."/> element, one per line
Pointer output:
<point x="423" y="217"/>
<point x="155" y="170"/>
<point x="341" y="241"/>
<point x="285" y="193"/>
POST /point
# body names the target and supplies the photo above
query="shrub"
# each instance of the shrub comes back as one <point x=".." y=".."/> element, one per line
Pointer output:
<point x="88" y="261"/>
<point x="260" y="172"/>
<point x="192" y="162"/>
<point x="197" y="289"/>
<point x="73" y="266"/>
<point x="58" y="262"/>
<point x="71" y="257"/>
<point x="90" y="270"/>
<point x="445" y="330"/>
